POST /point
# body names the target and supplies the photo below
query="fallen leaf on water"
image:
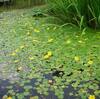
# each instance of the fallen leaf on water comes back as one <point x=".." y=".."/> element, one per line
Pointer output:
<point x="50" y="81"/>
<point x="19" y="69"/>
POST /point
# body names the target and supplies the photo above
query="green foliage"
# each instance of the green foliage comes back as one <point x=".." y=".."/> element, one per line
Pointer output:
<point x="80" y="12"/>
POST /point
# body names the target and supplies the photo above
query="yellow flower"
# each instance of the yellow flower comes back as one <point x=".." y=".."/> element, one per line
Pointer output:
<point x="48" y="55"/>
<point x="90" y="62"/>
<point x="36" y="30"/>
<point x="50" y="40"/>
<point x="77" y="58"/>
<point x="91" y="97"/>
<point x="31" y="58"/>
<point x="13" y="54"/>
<point x="9" y="97"/>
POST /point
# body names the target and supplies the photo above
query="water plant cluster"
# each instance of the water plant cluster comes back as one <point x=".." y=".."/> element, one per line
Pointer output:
<point x="48" y="58"/>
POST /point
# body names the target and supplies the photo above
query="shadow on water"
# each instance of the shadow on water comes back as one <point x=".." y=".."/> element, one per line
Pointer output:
<point x="5" y="83"/>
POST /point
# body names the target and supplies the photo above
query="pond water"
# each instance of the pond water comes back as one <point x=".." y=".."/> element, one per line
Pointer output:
<point x="29" y="74"/>
<point x="16" y="88"/>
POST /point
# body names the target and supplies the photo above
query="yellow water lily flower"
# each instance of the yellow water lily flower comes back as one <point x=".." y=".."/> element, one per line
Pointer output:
<point x="31" y="58"/>
<point x="77" y="58"/>
<point x="9" y="97"/>
<point x="48" y="55"/>
<point x="50" y="40"/>
<point x="90" y="62"/>
<point x="92" y="97"/>
<point x="36" y="30"/>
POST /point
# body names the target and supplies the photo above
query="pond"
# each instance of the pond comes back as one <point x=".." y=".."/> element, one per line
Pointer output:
<point x="45" y="61"/>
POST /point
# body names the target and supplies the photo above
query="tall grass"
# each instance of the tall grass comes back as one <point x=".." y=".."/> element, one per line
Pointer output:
<point x="79" y="12"/>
